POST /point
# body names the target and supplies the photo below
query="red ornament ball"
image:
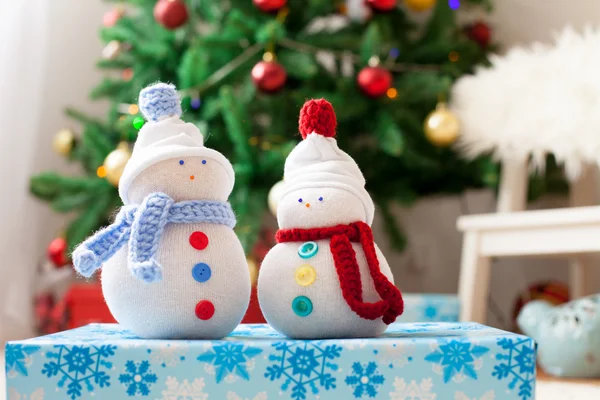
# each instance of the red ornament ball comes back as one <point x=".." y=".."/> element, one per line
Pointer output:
<point x="111" y="17"/>
<point x="317" y="116"/>
<point x="269" y="76"/>
<point x="170" y="13"/>
<point x="269" y="5"/>
<point x="374" y="81"/>
<point x="480" y="33"/>
<point x="382" y="5"/>
<point x="57" y="252"/>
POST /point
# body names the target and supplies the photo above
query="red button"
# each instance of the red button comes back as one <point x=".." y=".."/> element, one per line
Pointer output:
<point x="199" y="240"/>
<point x="205" y="310"/>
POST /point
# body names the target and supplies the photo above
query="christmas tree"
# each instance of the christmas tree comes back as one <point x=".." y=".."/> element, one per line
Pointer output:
<point x="244" y="69"/>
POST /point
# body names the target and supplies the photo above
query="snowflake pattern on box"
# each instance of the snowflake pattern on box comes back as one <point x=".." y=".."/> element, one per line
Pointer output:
<point x="395" y="355"/>
<point x="37" y="394"/>
<point x="80" y="365"/>
<point x="413" y="390"/>
<point x="18" y="359"/>
<point x="259" y="396"/>
<point x="70" y="366"/>
<point x="230" y="358"/>
<point x="184" y="390"/>
<point x="168" y="355"/>
<point x="365" y="380"/>
<point x="138" y="378"/>
<point x="107" y="331"/>
<point x="517" y="363"/>
<point x="457" y="359"/>
<point x="487" y="396"/>
<point x="304" y="365"/>
<point x="99" y="333"/>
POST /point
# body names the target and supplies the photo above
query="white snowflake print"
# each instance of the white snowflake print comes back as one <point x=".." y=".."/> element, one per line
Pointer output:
<point x="413" y="390"/>
<point x="168" y="356"/>
<point x="259" y="396"/>
<point x="184" y="390"/>
<point x="395" y="355"/>
<point x="37" y="394"/>
<point x="487" y="396"/>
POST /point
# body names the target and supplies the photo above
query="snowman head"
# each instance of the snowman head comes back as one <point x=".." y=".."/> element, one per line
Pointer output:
<point x="169" y="155"/>
<point x="323" y="184"/>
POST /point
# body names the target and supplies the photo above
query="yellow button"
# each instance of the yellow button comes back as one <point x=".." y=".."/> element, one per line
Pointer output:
<point x="305" y="275"/>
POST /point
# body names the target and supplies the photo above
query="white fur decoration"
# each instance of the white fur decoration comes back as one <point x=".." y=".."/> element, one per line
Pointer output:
<point x="535" y="101"/>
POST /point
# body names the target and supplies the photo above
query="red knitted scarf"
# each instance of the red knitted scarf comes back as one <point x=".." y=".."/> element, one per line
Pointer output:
<point x="391" y="304"/>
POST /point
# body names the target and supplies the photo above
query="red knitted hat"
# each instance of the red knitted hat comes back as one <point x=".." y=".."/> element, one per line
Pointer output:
<point x="318" y="162"/>
<point x="317" y="116"/>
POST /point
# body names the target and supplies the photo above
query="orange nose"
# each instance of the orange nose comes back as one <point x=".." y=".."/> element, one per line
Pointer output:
<point x="307" y="205"/>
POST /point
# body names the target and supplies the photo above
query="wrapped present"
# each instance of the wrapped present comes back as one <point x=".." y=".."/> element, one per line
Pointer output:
<point x="433" y="361"/>
<point x="426" y="307"/>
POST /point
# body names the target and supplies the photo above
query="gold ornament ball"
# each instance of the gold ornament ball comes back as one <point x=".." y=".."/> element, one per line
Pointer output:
<point x="115" y="162"/>
<point x="274" y="196"/>
<point x="63" y="142"/>
<point x="419" y="5"/>
<point x="441" y="126"/>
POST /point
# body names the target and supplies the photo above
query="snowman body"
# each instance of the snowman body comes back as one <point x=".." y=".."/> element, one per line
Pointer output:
<point x="205" y="288"/>
<point x="298" y="285"/>
<point x="173" y="267"/>
<point x="194" y="276"/>
<point x="314" y="277"/>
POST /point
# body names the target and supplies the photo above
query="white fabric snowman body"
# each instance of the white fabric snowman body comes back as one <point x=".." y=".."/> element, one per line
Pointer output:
<point x="192" y="281"/>
<point x="325" y="278"/>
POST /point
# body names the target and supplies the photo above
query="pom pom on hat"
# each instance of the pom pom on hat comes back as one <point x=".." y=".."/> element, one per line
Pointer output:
<point x="159" y="101"/>
<point x="317" y="116"/>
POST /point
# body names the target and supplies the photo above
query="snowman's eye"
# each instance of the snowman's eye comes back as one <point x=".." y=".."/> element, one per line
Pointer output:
<point x="320" y="198"/>
<point x="300" y="200"/>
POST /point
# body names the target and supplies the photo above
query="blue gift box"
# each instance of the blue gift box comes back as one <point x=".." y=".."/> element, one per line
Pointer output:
<point x="425" y="307"/>
<point x="433" y="361"/>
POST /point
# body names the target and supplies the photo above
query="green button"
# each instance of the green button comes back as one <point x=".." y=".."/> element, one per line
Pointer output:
<point x="302" y="306"/>
<point x="308" y="249"/>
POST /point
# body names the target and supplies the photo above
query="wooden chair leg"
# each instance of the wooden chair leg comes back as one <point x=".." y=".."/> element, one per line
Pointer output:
<point x="579" y="275"/>
<point x="583" y="192"/>
<point x="474" y="280"/>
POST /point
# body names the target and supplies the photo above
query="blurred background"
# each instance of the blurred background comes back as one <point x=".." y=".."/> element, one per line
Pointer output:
<point x="51" y="53"/>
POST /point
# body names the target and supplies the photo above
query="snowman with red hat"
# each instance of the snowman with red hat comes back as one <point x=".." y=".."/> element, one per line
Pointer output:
<point x="326" y="277"/>
<point x="172" y="264"/>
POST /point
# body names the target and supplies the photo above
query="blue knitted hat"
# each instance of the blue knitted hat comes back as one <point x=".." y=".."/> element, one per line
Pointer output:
<point x="159" y="101"/>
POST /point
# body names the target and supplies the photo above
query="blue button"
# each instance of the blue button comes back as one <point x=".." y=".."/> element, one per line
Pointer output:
<point x="308" y="249"/>
<point x="302" y="306"/>
<point x="201" y="272"/>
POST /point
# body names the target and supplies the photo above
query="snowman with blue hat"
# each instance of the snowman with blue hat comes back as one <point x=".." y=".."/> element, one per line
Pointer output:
<point x="172" y="266"/>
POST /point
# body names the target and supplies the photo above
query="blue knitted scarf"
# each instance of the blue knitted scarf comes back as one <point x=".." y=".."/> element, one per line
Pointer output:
<point x="142" y="226"/>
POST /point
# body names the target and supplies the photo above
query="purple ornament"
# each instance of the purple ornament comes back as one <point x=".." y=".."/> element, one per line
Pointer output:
<point x="454" y="4"/>
<point x="195" y="103"/>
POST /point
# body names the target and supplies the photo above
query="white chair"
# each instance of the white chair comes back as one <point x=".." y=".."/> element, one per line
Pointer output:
<point x="514" y="232"/>
<point x="530" y="103"/>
